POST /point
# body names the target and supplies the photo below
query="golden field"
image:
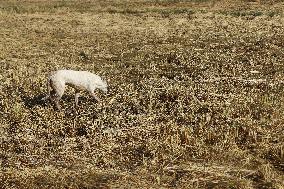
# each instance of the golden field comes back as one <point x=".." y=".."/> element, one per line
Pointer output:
<point x="195" y="94"/>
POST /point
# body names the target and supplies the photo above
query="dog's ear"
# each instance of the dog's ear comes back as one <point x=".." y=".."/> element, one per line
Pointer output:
<point x="104" y="80"/>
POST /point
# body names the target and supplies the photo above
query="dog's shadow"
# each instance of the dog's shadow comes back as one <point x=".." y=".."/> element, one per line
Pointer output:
<point x="38" y="100"/>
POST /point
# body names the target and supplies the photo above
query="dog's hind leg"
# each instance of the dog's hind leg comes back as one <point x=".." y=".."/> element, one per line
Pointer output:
<point x="58" y="91"/>
<point x="77" y="94"/>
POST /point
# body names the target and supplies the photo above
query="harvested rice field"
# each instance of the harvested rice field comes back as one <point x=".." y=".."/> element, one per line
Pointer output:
<point x="195" y="94"/>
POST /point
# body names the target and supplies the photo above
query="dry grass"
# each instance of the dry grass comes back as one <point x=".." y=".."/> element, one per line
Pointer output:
<point x="196" y="94"/>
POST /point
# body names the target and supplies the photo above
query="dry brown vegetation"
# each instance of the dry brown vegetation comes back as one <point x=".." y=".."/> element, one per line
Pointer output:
<point x="196" y="94"/>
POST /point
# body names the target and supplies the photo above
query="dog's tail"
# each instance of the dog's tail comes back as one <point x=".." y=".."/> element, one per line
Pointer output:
<point x="48" y="89"/>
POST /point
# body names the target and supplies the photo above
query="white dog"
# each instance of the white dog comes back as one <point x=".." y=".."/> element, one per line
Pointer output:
<point x="79" y="80"/>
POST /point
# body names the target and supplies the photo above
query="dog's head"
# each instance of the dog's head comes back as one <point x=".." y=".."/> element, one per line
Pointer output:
<point x="103" y="85"/>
